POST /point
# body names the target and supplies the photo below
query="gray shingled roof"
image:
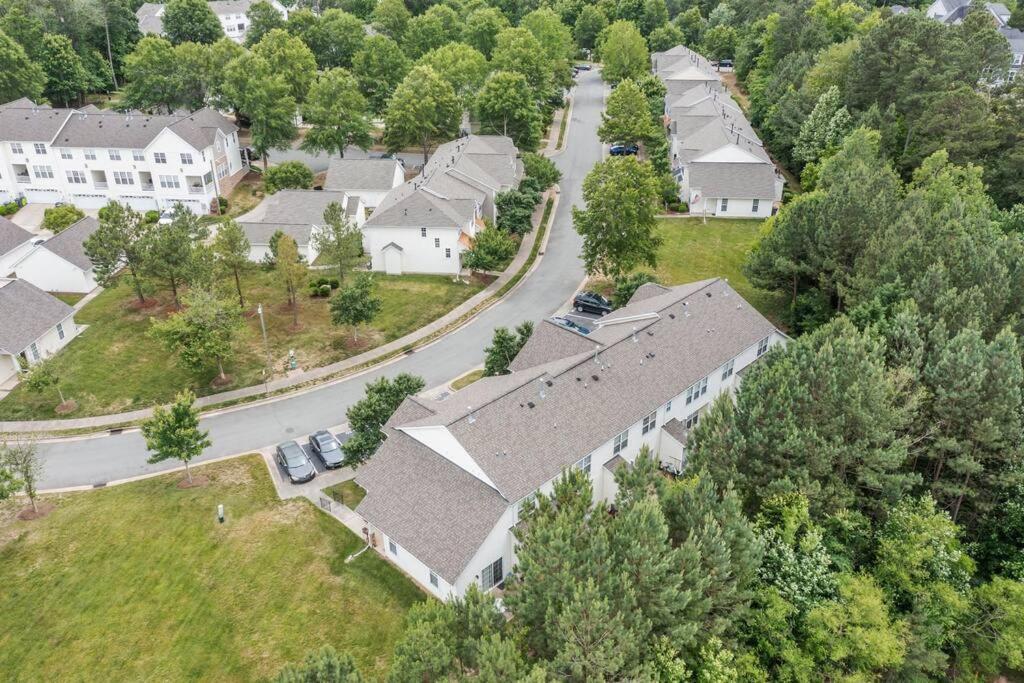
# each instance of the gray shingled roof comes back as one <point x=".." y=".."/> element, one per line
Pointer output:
<point x="68" y="244"/>
<point x="149" y="18"/>
<point x="30" y="123"/>
<point x="260" y="233"/>
<point x="547" y="343"/>
<point x="11" y="237"/>
<point x="747" y="181"/>
<point x="678" y="430"/>
<point x="1015" y="37"/>
<point x="441" y="514"/>
<point x="361" y="174"/>
<point x="296" y="206"/>
<point x="26" y="314"/>
<point x="136" y="131"/>
<point x="425" y="209"/>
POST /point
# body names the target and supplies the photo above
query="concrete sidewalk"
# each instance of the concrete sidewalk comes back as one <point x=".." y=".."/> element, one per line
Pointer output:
<point x="458" y="316"/>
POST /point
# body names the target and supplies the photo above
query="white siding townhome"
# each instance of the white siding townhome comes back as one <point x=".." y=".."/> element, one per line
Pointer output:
<point x="953" y="12"/>
<point x="298" y="214"/>
<point x="33" y="325"/>
<point x="717" y="158"/>
<point x="60" y="264"/>
<point x="369" y="179"/>
<point x="15" y="242"/>
<point x="233" y="16"/>
<point x="424" y="225"/>
<point x="445" y="489"/>
<point x="89" y="157"/>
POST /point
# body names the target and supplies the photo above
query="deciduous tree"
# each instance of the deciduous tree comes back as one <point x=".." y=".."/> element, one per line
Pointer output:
<point x="504" y="347"/>
<point x="338" y="114"/>
<point x="623" y="52"/>
<point x="173" y="433"/>
<point x="254" y="88"/>
<point x="21" y="460"/>
<point x="202" y="333"/>
<point x="379" y="67"/>
<point x="152" y="74"/>
<point x="290" y="271"/>
<point x="191" y="21"/>
<point x="121" y="241"/>
<point x="263" y="18"/>
<point x="367" y="416"/>
<point x="482" y="28"/>
<point x="288" y="175"/>
<point x="66" y="78"/>
<point x="288" y="56"/>
<point x="338" y="241"/>
<point x="231" y="250"/>
<point x="627" y="116"/>
<point x="390" y="18"/>
<point x="355" y="304"/>
<point x="506" y="106"/>
<point x="171" y="249"/>
<point x="423" y="110"/>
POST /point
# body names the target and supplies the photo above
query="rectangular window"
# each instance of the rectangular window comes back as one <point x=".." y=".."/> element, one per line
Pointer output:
<point x="620" y="442"/>
<point x="727" y="369"/>
<point x="491" y="576"/>
<point x="76" y="177"/>
<point x="43" y="171"/>
<point x="762" y="346"/>
<point x="66" y="154"/>
<point x="433" y="579"/>
<point x="696" y="391"/>
<point x="754" y="205"/>
<point x="392" y="547"/>
<point x="39" y="147"/>
<point x="447" y="252"/>
<point x="16" y="148"/>
<point x="114" y="154"/>
<point x="584" y="465"/>
<point x="668" y="407"/>
<point x="691" y="420"/>
<point x="123" y="178"/>
<point x="159" y="157"/>
<point x="527" y="503"/>
<point x="649" y="423"/>
<point x="90" y="154"/>
<point x="423" y="232"/>
<point x="169" y="182"/>
<point x="725" y="205"/>
<point x="138" y="155"/>
<point x="437" y="242"/>
<point x="186" y="158"/>
<point x="34" y="350"/>
<point x="60" y="331"/>
<point x="241" y="27"/>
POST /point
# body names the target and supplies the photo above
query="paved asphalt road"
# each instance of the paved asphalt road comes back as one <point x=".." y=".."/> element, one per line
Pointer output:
<point x="106" y="458"/>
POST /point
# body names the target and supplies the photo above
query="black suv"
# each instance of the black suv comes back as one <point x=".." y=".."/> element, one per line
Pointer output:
<point x="591" y="302"/>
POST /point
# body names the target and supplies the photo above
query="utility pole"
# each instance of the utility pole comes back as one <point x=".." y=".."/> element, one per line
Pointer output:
<point x="266" y="348"/>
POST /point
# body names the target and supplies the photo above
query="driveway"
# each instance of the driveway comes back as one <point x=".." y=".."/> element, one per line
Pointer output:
<point x="253" y="427"/>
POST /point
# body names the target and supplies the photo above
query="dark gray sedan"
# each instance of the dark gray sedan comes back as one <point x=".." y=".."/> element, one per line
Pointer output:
<point x="293" y="460"/>
<point x="327" y="448"/>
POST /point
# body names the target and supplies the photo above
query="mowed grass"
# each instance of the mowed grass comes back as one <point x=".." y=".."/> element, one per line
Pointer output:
<point x="348" y="493"/>
<point x="692" y="250"/>
<point x="116" y="366"/>
<point x="140" y="582"/>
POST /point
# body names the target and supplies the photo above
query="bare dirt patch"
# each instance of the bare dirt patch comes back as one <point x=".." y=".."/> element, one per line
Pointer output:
<point x="146" y="305"/>
<point x="41" y="510"/>
<point x="66" y="407"/>
<point x="220" y="382"/>
<point x="197" y="481"/>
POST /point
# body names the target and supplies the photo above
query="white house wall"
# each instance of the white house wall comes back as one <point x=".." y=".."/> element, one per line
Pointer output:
<point x="419" y="255"/>
<point x="51" y="273"/>
<point x="737" y="208"/>
<point x="8" y="260"/>
<point x="50" y="343"/>
<point x="8" y="367"/>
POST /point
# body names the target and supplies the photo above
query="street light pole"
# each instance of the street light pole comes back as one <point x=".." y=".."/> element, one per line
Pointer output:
<point x="266" y="348"/>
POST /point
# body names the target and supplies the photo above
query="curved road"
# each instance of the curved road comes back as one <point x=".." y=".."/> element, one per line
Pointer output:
<point x="97" y="460"/>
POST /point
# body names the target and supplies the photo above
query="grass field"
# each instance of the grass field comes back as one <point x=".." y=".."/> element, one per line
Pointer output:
<point x="348" y="493"/>
<point x="140" y="582"/>
<point x="115" y="366"/>
<point x="467" y="379"/>
<point x="692" y="250"/>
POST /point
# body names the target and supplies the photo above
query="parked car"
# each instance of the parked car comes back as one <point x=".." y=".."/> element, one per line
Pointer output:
<point x="582" y="67"/>
<point x="293" y="460"/>
<point x="327" y="448"/>
<point x="726" y="63"/>
<point x="591" y="302"/>
<point x="166" y="217"/>
<point x="621" y="149"/>
<point x="570" y="325"/>
<point x="249" y="154"/>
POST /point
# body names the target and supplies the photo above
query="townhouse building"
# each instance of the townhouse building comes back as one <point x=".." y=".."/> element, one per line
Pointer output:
<point x="33" y="325"/>
<point x="445" y="490"/>
<point x="89" y="157"/>
<point x="232" y="14"/>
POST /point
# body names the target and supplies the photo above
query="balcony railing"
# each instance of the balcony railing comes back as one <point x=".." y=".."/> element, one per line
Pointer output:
<point x="23" y="179"/>
<point x="147" y="187"/>
<point x="196" y="189"/>
<point x="100" y="185"/>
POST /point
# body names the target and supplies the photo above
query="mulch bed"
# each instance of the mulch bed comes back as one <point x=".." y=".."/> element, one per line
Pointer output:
<point x="42" y="509"/>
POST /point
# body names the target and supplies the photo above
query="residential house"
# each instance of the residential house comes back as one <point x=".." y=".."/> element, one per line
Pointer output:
<point x="424" y="225"/>
<point x="60" y="264"/>
<point x="15" y="242"/>
<point x="717" y="157"/>
<point x="233" y="16"/>
<point x="33" y="325"/>
<point x="952" y="12"/>
<point x="298" y="214"/>
<point x="445" y="489"/>
<point x="369" y="179"/>
<point x="91" y="157"/>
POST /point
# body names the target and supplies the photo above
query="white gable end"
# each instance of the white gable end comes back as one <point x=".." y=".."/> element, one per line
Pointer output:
<point x="444" y="443"/>
<point x="730" y="154"/>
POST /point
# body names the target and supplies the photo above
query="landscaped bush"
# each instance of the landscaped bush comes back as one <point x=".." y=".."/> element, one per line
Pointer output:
<point x="514" y="211"/>
<point x="492" y="250"/>
<point x="151" y="216"/>
<point x="9" y="209"/>
<point x="542" y="169"/>
<point x="222" y="202"/>
<point x="322" y="286"/>
<point x="293" y="175"/>
<point x="58" y="218"/>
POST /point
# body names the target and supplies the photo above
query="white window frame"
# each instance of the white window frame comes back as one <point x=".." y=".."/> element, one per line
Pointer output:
<point x="170" y="182"/>
<point x="437" y="242"/>
<point x="620" y="442"/>
<point x="76" y="177"/>
<point x="42" y="171"/>
<point x="392" y="547"/>
<point x="423" y="232"/>
<point x="124" y="178"/>
<point x="649" y="423"/>
<point x="34" y="350"/>
<point x="16" y="148"/>
<point x="447" y="252"/>
<point x="692" y="419"/>
<point x="186" y="158"/>
<point x="90" y="155"/>
<point x="138" y="155"/>
<point x="159" y="158"/>
<point x="60" y="331"/>
<point x="755" y="205"/>
<point x="762" y="346"/>
<point x="65" y="153"/>
<point x="668" y="407"/>
<point x="487" y="575"/>
<point x="724" y="206"/>
<point x="114" y="154"/>
<point x="584" y="464"/>
<point x="696" y="390"/>
<point x="434" y="580"/>
<point x="728" y="368"/>
<point x="39" y="147"/>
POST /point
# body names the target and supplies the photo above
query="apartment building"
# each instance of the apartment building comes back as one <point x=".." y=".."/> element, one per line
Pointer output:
<point x="89" y="157"/>
<point x="446" y="487"/>
<point x="233" y="16"/>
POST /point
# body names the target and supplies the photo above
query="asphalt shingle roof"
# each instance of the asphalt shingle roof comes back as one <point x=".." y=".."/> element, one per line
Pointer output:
<point x="26" y="314"/>
<point x="441" y="513"/>
<point x="746" y="181"/>
<point x="69" y="244"/>
<point x="260" y="233"/>
<point x="11" y="237"/>
<point x="362" y="174"/>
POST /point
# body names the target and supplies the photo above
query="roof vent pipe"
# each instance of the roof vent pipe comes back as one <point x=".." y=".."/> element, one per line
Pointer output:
<point x="635" y="340"/>
<point x="472" y="417"/>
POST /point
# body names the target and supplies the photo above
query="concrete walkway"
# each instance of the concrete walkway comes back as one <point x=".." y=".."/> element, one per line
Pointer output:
<point x="455" y="317"/>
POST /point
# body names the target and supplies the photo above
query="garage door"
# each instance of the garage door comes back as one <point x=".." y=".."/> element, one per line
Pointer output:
<point x="36" y="196"/>
<point x="140" y="203"/>
<point x="89" y="201"/>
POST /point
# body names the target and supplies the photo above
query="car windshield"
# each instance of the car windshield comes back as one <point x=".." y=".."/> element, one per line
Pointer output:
<point x="327" y="444"/>
<point x="294" y="456"/>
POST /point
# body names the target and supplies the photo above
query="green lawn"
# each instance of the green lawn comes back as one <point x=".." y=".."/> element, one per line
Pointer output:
<point x="115" y="366"/>
<point x="70" y="298"/>
<point x="348" y="493"/>
<point x="140" y="582"/>
<point x="693" y="250"/>
<point x="467" y="379"/>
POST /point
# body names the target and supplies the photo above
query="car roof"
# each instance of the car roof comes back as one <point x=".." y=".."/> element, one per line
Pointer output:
<point x="323" y="434"/>
<point x="289" y="445"/>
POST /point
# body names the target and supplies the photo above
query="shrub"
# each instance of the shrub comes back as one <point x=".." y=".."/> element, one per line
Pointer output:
<point x="288" y="175"/>
<point x="151" y="216"/>
<point x="334" y="283"/>
<point x="491" y="250"/>
<point x="541" y="169"/>
<point x="625" y="287"/>
<point x="222" y="202"/>
<point x="9" y="209"/>
<point x="58" y="218"/>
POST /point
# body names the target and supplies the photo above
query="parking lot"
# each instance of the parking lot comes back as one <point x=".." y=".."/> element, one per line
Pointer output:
<point x="324" y="477"/>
